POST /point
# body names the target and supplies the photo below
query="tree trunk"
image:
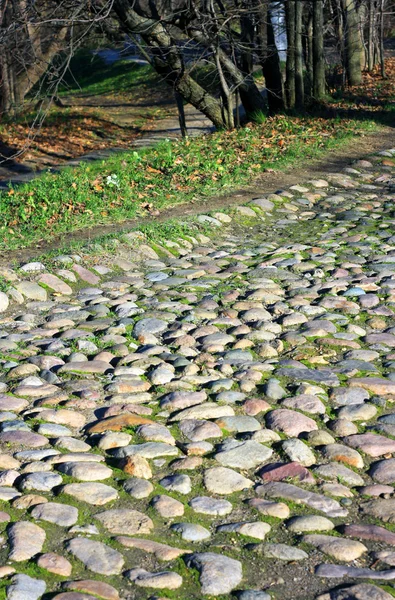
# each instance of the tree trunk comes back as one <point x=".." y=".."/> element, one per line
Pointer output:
<point x="181" y="114"/>
<point x="10" y="93"/>
<point x="353" y="47"/>
<point x="371" y="19"/>
<point x="318" y="50"/>
<point x="382" y="62"/>
<point x="11" y="96"/>
<point x="247" y="35"/>
<point x="270" y="61"/>
<point x="308" y="52"/>
<point x="299" y="83"/>
<point x="290" y="66"/>
<point x="250" y="95"/>
<point x="226" y="94"/>
<point x="339" y="28"/>
<point x="167" y="61"/>
<point x="27" y="49"/>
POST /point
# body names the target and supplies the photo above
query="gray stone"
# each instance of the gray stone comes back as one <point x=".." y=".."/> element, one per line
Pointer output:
<point x="177" y="483"/>
<point x="288" y="491"/>
<point x="220" y="480"/>
<point x="4" y="302"/>
<point x="210" y="506"/>
<point x="282" y="552"/>
<point x="162" y="580"/>
<point x="92" y="493"/>
<point x="96" y="556"/>
<point x="85" y="471"/>
<point x="191" y="532"/>
<point x="125" y="521"/>
<point x="309" y="523"/>
<point x="138" y="488"/>
<point x="242" y="455"/>
<point x="252" y="595"/>
<point x="31" y="290"/>
<point x="147" y="450"/>
<point x="24" y="587"/>
<point x="298" y="451"/>
<point x="256" y="530"/>
<point x="150" y="325"/>
<point x="362" y="591"/>
<point x="218" y="573"/>
<point x="60" y="514"/>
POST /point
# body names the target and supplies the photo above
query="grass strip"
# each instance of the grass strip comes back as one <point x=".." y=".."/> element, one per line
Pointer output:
<point x="133" y="183"/>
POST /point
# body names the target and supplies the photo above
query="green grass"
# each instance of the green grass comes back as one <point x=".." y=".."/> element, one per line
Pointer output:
<point x="90" y="75"/>
<point x="131" y="184"/>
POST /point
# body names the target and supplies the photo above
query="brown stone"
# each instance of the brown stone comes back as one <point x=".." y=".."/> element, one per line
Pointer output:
<point x="290" y="422"/>
<point x="55" y="564"/>
<point x="6" y="571"/>
<point x="125" y="521"/>
<point x="86" y="275"/>
<point x="369" y="532"/>
<point x="73" y="596"/>
<point x="99" y="588"/>
<point x="338" y="343"/>
<point x="129" y="387"/>
<point x="29" y="500"/>
<point x="11" y="403"/>
<point x="343" y="454"/>
<point x="136" y="465"/>
<point x="376" y="385"/>
<point x="119" y="409"/>
<point x="254" y="406"/>
<point x="117" y="423"/>
<point x="371" y="443"/>
<point x="189" y="463"/>
<point x="382" y="508"/>
<point x="8" y="462"/>
<point x="55" y="284"/>
<point x="87" y="366"/>
<point x="280" y="471"/>
<point x="161" y="551"/>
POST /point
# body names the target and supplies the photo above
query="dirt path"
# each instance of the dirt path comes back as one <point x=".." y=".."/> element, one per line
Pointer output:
<point x="267" y="183"/>
<point x="132" y="125"/>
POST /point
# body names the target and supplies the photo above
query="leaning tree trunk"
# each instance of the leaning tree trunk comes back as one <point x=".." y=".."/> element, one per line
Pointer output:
<point x="251" y="98"/>
<point x="299" y="83"/>
<point x="226" y="93"/>
<point x="167" y="61"/>
<point x="318" y="50"/>
<point x="352" y="45"/>
<point x="290" y="66"/>
<point x="270" y="60"/>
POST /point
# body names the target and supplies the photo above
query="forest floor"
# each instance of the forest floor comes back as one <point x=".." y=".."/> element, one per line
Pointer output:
<point x="110" y="107"/>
